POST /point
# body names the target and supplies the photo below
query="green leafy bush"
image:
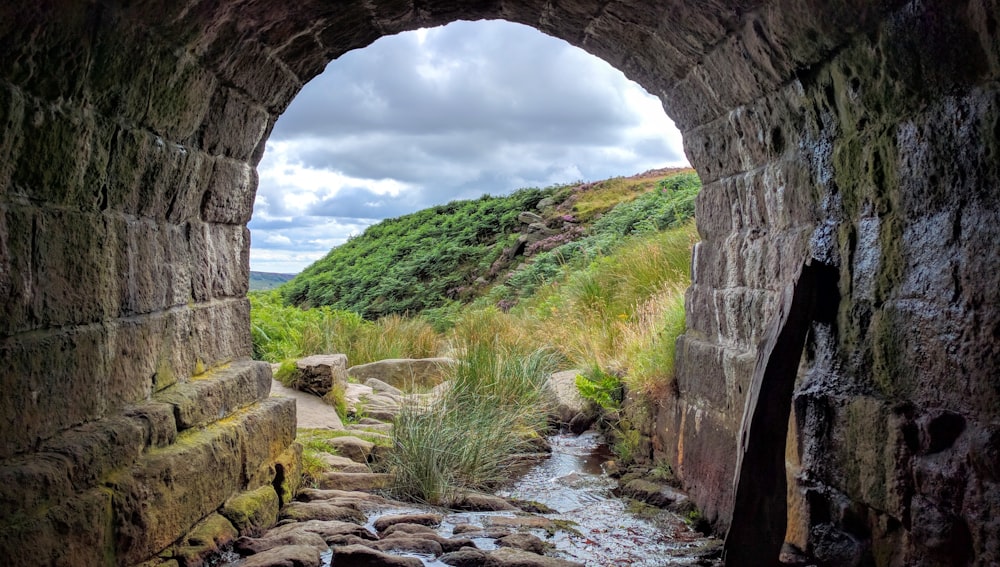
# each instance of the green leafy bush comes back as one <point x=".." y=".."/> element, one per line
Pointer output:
<point x="605" y="390"/>
<point x="414" y="262"/>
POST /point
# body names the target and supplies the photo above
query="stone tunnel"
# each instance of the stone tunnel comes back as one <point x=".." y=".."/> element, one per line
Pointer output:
<point x="863" y="137"/>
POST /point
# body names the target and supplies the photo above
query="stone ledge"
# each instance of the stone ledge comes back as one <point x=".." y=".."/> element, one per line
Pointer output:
<point x="173" y="488"/>
<point x="212" y="396"/>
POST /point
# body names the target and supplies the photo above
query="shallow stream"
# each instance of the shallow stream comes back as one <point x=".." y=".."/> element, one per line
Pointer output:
<point x="594" y="527"/>
<point x="589" y="525"/>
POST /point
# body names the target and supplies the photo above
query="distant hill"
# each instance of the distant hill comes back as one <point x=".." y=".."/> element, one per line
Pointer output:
<point x="260" y="281"/>
<point x="456" y="253"/>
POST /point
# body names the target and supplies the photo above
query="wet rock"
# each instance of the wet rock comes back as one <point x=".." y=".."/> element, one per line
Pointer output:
<point x="832" y="546"/>
<point x="472" y="531"/>
<point x="406" y="528"/>
<point x="569" y="408"/>
<point x="426" y="532"/>
<point x="353" y="448"/>
<point x="361" y="556"/>
<point x="526" y="542"/>
<point x="531" y="507"/>
<point x="326" y="529"/>
<point x="652" y="493"/>
<point x="205" y="540"/>
<point x="296" y="537"/>
<point x="412" y="543"/>
<point x="343" y="464"/>
<point x="320" y="510"/>
<point x="479" y="502"/>
<point x="365" y="482"/>
<point x="511" y="557"/>
<point x="252" y="512"/>
<point x="469" y="558"/>
<point x="285" y="556"/>
<point x="465" y="528"/>
<point x="519" y="522"/>
<point x="384" y="522"/>
<point x="318" y="374"/>
<point x="611" y="469"/>
<point x="351" y="498"/>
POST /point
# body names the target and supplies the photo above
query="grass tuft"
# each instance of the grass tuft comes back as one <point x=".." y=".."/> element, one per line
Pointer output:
<point x="495" y="406"/>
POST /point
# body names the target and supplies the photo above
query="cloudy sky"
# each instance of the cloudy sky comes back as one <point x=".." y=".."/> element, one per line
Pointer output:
<point x="427" y="117"/>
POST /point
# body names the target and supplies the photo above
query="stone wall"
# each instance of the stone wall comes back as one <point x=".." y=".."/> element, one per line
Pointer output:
<point x="861" y="134"/>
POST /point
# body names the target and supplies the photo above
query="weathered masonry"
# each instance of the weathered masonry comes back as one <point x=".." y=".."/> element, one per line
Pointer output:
<point x="860" y="136"/>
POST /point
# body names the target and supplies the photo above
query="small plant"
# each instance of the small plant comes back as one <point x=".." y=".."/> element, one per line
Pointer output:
<point x="605" y="390"/>
<point x="662" y="472"/>
<point x="286" y="373"/>
<point x="626" y="445"/>
<point x="337" y="397"/>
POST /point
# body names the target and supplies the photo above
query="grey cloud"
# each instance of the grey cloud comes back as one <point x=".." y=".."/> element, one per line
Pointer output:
<point x="361" y="203"/>
<point x="501" y="107"/>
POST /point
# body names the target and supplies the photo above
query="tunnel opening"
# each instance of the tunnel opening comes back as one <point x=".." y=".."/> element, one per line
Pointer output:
<point x="130" y="136"/>
<point x="435" y="115"/>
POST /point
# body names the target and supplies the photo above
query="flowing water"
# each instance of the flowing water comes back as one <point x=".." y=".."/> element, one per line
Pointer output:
<point x="594" y="527"/>
<point x="589" y="524"/>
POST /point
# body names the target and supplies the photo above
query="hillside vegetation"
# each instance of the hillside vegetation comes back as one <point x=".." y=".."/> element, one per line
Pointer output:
<point x="455" y="252"/>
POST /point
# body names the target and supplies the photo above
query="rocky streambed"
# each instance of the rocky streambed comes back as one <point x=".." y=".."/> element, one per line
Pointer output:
<point x="562" y="511"/>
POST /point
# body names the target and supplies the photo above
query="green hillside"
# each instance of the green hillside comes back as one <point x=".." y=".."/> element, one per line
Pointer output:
<point x="502" y="246"/>
<point x="263" y="281"/>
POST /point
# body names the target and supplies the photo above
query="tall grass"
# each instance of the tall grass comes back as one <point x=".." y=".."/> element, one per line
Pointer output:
<point x="622" y="313"/>
<point x="494" y="407"/>
<point x="283" y="332"/>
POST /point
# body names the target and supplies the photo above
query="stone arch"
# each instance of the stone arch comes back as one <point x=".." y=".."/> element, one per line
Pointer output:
<point x="864" y="135"/>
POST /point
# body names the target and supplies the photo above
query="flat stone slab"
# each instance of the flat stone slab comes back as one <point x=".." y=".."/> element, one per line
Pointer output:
<point x="404" y="373"/>
<point x="311" y="411"/>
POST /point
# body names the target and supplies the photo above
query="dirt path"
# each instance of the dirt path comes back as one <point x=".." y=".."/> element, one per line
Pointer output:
<point x="311" y="411"/>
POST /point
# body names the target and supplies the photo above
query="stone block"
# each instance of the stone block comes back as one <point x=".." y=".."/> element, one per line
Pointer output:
<point x="169" y="185"/>
<point x="233" y="125"/>
<point x="253" y="511"/>
<point x="220" y="331"/>
<point x="63" y="135"/>
<point x="11" y="118"/>
<point x="96" y="449"/>
<point x="217" y="393"/>
<point x="75" y="533"/>
<point x="18" y="306"/>
<point x="220" y="260"/>
<point x="255" y="71"/>
<point x="181" y="91"/>
<point x="270" y="429"/>
<point x="31" y="485"/>
<point x="321" y="373"/>
<point x="230" y="193"/>
<point x="149" y="353"/>
<point x="304" y="56"/>
<point x="700" y="377"/>
<point x="155" y="269"/>
<point x="288" y="472"/>
<point x="74" y="277"/>
<point x="205" y="540"/>
<point x="43" y="371"/>
<point x="157" y="421"/>
<point x="168" y="491"/>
